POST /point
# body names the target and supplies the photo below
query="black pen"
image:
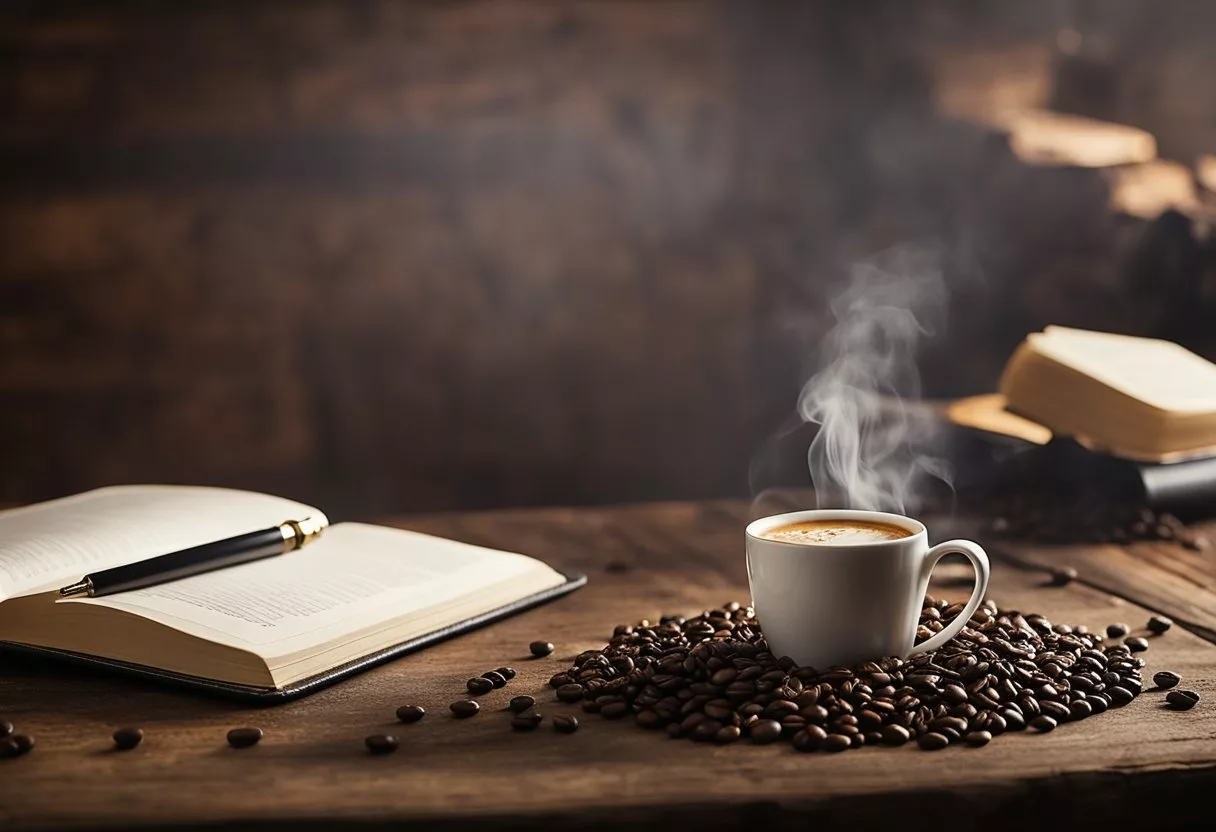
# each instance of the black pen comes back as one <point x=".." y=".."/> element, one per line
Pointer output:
<point x="198" y="559"/>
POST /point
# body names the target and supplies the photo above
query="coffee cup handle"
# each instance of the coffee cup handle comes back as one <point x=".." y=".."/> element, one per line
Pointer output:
<point x="979" y="561"/>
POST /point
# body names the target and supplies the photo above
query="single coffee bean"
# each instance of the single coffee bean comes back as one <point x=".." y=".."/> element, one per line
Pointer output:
<point x="977" y="738"/>
<point x="464" y="708"/>
<point x="614" y="710"/>
<point x="727" y="734"/>
<point x="410" y="713"/>
<point x="1136" y="644"/>
<point x="519" y="704"/>
<point x="765" y="731"/>
<point x="9" y="748"/>
<point x="1166" y="679"/>
<point x="1159" y="624"/>
<point x="478" y="686"/>
<point x="1119" y="696"/>
<point x="837" y="742"/>
<point x="1116" y="630"/>
<point x="507" y="673"/>
<point x="706" y="730"/>
<point x="495" y="678"/>
<point x="25" y="743"/>
<point x="572" y="692"/>
<point x="933" y="741"/>
<point x="1079" y="709"/>
<point x="1043" y="723"/>
<point x="564" y="724"/>
<point x="1182" y="700"/>
<point x="381" y="743"/>
<point x="559" y="679"/>
<point x="526" y="721"/>
<point x="895" y="735"/>
<point x="1063" y="576"/>
<point x="540" y="649"/>
<point x="244" y="737"/>
<point x="805" y="741"/>
<point x="1055" y="710"/>
<point x="6" y="728"/>
<point x="127" y="738"/>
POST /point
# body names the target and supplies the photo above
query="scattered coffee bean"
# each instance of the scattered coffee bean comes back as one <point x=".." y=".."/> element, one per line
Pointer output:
<point x="382" y="743"/>
<point x="526" y="721"/>
<point x="1116" y="630"/>
<point x="519" y="704"/>
<point x="25" y="743"/>
<point x="464" y="708"/>
<point x="564" y="724"/>
<point x="1164" y="679"/>
<point x="477" y="686"/>
<point x="977" y="738"/>
<point x="1063" y="576"/>
<point x="540" y="649"/>
<point x="1136" y="644"/>
<point x="244" y="737"/>
<point x="765" y="731"/>
<point x="410" y="713"/>
<point x="507" y="673"/>
<point x="933" y="741"/>
<point x="1043" y="723"/>
<point x="495" y="678"/>
<point x="1159" y="624"/>
<point x="1182" y="700"/>
<point x="572" y="692"/>
<point x="127" y="738"/>
<point x="9" y="748"/>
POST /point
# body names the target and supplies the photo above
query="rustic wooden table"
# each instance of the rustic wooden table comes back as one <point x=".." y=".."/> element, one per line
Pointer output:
<point x="1140" y="764"/>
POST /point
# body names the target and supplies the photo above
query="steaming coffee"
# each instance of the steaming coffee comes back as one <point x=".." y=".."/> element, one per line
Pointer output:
<point x="835" y="532"/>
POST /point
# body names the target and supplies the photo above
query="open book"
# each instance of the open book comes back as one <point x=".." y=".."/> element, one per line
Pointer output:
<point x="1137" y="398"/>
<point x="273" y="628"/>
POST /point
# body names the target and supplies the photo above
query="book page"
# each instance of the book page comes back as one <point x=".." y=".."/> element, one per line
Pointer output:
<point x="354" y="576"/>
<point x="1159" y="373"/>
<point x="50" y="545"/>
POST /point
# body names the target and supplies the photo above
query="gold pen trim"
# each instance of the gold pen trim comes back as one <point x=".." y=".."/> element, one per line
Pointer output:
<point x="81" y="587"/>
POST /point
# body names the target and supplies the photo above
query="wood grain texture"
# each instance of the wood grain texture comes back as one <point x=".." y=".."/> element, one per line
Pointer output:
<point x="1138" y="765"/>
<point x="333" y="251"/>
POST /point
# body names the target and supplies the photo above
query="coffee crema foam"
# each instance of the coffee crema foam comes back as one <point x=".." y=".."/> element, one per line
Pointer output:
<point x="835" y="532"/>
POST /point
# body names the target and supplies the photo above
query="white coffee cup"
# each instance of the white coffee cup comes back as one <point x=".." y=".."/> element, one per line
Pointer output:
<point x="840" y="604"/>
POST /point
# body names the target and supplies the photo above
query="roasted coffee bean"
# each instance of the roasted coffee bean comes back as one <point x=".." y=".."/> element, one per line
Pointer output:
<point x="765" y="731"/>
<point x="496" y="679"/>
<point x="1062" y="576"/>
<point x="572" y="692"/>
<point x="244" y="737"/>
<point x="1079" y="709"/>
<point x="614" y="710"/>
<point x="1056" y="711"/>
<point x="507" y="673"/>
<point x="1043" y="723"/>
<point x="478" y="686"/>
<point x="127" y="738"/>
<point x="540" y="649"/>
<point x="706" y="730"/>
<point x="1181" y="700"/>
<point x="1136" y="644"/>
<point x="382" y="743"/>
<point x="1119" y="696"/>
<point x="895" y="735"/>
<point x="837" y="742"/>
<point x="1116" y="630"/>
<point x="1159" y="624"/>
<point x="11" y="746"/>
<point x="526" y="721"/>
<point x="411" y="713"/>
<point x="6" y="728"/>
<point x="25" y="743"/>
<point x="519" y="704"/>
<point x="728" y="734"/>
<point x="564" y="724"/>
<point x="1164" y="679"/>
<point x="464" y="708"/>
<point x="977" y="738"/>
<point x="933" y="741"/>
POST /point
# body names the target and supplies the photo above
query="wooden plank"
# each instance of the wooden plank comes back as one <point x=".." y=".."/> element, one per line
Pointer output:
<point x="1161" y="576"/>
<point x="1138" y="764"/>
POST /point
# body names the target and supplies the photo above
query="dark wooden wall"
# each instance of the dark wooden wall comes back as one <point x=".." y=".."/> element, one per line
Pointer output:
<point x="423" y="255"/>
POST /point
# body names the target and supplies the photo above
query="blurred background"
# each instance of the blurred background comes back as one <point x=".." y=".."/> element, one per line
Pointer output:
<point x="395" y="256"/>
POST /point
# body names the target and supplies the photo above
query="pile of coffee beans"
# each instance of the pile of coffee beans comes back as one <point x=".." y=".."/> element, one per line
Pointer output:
<point x="1040" y="519"/>
<point x="712" y="678"/>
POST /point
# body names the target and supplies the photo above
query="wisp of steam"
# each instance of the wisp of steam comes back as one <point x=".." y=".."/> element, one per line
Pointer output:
<point x="872" y="451"/>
